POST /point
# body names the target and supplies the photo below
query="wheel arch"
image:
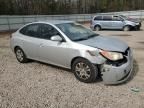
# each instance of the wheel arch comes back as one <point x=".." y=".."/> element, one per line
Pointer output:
<point x="98" y="25"/>
<point x="72" y="61"/>
<point x="130" y="26"/>
<point x="17" y="47"/>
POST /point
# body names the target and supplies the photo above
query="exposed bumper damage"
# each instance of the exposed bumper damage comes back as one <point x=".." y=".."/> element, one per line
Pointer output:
<point x="137" y="27"/>
<point x="118" y="72"/>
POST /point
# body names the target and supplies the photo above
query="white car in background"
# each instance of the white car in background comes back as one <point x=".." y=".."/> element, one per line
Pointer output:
<point x="119" y="22"/>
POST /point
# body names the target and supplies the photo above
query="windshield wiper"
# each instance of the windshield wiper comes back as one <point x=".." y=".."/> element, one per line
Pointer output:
<point x="90" y="36"/>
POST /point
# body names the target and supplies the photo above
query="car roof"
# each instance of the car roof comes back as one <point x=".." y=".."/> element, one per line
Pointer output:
<point x="55" y="21"/>
<point x="107" y="15"/>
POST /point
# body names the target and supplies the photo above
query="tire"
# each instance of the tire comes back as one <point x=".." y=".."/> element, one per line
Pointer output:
<point x="97" y="28"/>
<point x="20" y="55"/>
<point x="84" y="71"/>
<point x="126" y="28"/>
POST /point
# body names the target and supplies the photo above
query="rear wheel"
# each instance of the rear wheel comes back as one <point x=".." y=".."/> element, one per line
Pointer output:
<point x="84" y="71"/>
<point x="126" y="28"/>
<point x="20" y="55"/>
<point x="97" y="28"/>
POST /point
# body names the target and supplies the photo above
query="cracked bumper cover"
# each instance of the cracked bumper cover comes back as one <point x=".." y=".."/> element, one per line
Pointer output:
<point x="117" y="74"/>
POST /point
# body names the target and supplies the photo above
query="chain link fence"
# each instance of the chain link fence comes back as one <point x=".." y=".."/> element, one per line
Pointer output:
<point x="8" y="23"/>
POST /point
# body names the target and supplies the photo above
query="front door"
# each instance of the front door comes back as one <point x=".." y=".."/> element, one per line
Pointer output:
<point x="53" y="52"/>
<point x="117" y="22"/>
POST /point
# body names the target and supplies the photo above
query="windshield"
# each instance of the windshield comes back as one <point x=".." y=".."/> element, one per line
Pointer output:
<point x="76" y="32"/>
<point x="125" y="17"/>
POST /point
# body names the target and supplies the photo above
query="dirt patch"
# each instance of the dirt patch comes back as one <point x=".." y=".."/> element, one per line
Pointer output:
<point x="4" y="46"/>
<point x="138" y="48"/>
<point x="142" y="42"/>
<point x="6" y="33"/>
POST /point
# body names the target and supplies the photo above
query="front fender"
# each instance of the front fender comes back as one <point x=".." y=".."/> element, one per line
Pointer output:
<point x="129" y="23"/>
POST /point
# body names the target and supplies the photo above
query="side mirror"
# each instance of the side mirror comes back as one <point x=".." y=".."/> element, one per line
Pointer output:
<point x="56" y="38"/>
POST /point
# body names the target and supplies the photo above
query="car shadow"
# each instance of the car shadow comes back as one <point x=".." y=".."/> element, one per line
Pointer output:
<point x="141" y="42"/>
<point x="124" y="35"/>
<point x="53" y="66"/>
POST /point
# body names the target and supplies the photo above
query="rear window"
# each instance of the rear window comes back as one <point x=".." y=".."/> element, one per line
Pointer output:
<point x="107" y="18"/>
<point x="98" y="18"/>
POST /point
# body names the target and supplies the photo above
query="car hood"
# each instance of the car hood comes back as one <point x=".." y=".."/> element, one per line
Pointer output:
<point x="106" y="43"/>
<point x="134" y="20"/>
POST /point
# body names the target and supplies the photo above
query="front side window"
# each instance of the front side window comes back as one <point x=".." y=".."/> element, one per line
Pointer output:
<point x="124" y="17"/>
<point x="116" y="18"/>
<point x="31" y="30"/>
<point x="47" y="31"/>
<point x="76" y="32"/>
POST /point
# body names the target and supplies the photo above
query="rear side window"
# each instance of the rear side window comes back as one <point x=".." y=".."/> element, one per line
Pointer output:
<point x="98" y="18"/>
<point x="31" y="30"/>
<point x="23" y="30"/>
<point x="107" y="18"/>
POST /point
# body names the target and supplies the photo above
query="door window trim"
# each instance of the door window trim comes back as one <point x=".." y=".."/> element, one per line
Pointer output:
<point x="64" y="40"/>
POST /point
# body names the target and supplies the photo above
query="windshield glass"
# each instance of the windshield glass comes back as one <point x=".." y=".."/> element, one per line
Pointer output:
<point x="125" y="17"/>
<point x="76" y="32"/>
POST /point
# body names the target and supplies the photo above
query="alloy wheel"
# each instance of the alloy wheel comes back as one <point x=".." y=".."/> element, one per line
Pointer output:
<point x="83" y="70"/>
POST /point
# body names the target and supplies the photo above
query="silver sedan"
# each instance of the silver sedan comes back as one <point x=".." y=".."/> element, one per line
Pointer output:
<point x="70" y="45"/>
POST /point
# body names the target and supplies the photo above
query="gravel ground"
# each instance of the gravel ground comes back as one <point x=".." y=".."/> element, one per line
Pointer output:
<point x="38" y="85"/>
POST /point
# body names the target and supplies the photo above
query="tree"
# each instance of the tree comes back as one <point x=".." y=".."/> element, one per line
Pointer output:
<point x="28" y="7"/>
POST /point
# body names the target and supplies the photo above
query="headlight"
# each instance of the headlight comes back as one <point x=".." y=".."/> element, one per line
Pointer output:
<point x="114" y="56"/>
<point x="137" y="23"/>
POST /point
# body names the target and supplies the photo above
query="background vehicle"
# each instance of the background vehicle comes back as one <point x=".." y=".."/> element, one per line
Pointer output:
<point x="71" y="45"/>
<point x="114" y="22"/>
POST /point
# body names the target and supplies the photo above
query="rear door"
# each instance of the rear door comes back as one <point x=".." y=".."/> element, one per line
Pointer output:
<point x="107" y="22"/>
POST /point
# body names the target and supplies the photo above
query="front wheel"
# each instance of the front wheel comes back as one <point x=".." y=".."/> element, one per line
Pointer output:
<point x="97" y="28"/>
<point x="126" y="28"/>
<point x="84" y="71"/>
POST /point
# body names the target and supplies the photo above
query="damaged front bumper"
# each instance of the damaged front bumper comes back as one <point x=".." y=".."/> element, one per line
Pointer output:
<point x="113" y="73"/>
